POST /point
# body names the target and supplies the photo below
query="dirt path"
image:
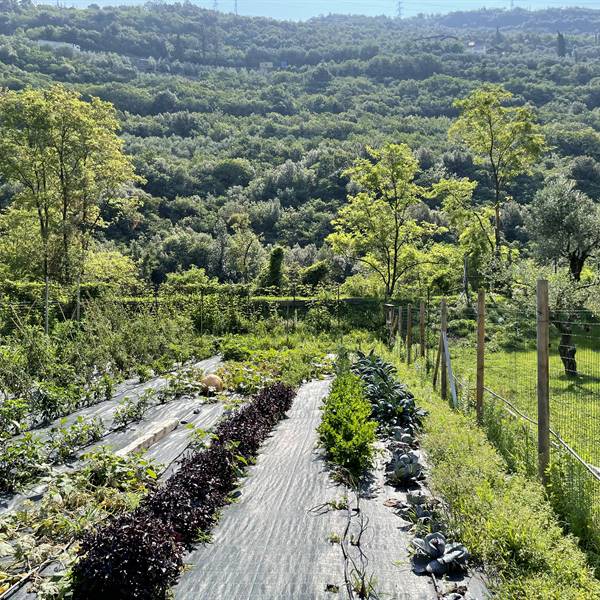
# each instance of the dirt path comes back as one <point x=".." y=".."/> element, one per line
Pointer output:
<point x="269" y="546"/>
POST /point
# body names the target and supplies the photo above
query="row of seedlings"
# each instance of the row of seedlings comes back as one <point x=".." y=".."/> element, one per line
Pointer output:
<point x="27" y="458"/>
<point x="104" y="486"/>
<point x="139" y="555"/>
<point x="399" y="422"/>
<point x="41" y="532"/>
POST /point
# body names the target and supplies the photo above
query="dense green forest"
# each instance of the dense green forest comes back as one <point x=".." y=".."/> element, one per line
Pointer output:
<point x="242" y="129"/>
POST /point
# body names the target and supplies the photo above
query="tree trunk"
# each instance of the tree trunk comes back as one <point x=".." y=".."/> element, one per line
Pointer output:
<point x="466" y="281"/>
<point x="78" y="300"/>
<point x="497" y="225"/>
<point x="567" y="349"/>
<point x="576" y="264"/>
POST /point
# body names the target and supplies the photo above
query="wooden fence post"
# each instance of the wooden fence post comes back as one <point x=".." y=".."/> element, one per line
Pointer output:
<point x="202" y="312"/>
<point x="444" y="331"/>
<point x="409" y="334"/>
<point x="399" y="331"/>
<point x="543" y="378"/>
<point x="422" y="328"/>
<point x="388" y="310"/>
<point x="480" y="355"/>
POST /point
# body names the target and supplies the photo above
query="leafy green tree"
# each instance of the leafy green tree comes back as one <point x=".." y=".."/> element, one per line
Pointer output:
<point x="274" y="277"/>
<point x="376" y="226"/>
<point x="504" y="138"/>
<point x="564" y="225"/>
<point x="315" y="274"/>
<point x="471" y="224"/>
<point x="245" y="254"/>
<point x="561" y="45"/>
<point x="68" y="162"/>
<point x="193" y="280"/>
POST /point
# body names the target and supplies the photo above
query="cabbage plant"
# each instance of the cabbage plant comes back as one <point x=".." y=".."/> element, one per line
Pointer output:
<point x="434" y="555"/>
<point x="404" y="467"/>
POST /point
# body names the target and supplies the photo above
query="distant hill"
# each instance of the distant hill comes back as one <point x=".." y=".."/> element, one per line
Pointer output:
<point x="569" y="20"/>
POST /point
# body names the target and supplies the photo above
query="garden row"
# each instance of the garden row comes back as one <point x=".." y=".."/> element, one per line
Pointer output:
<point x="46" y="377"/>
<point x="98" y="485"/>
<point x="505" y="519"/>
<point x="41" y="532"/>
<point x="140" y="554"/>
<point x="25" y="458"/>
<point x="367" y="405"/>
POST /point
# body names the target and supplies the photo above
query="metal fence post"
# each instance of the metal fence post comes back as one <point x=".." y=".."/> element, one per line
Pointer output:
<point x="543" y="378"/>
<point x="444" y="331"/>
<point x="480" y="354"/>
<point x="409" y="334"/>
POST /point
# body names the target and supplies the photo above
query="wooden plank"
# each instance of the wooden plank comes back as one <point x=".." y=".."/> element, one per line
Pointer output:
<point x="399" y="332"/>
<point x="422" y="328"/>
<point x="480" y="355"/>
<point x="449" y="371"/>
<point x="409" y="334"/>
<point x="436" y="370"/>
<point x="443" y="332"/>
<point x="149" y="438"/>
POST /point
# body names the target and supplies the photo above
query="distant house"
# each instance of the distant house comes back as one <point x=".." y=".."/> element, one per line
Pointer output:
<point x="57" y="45"/>
<point x="266" y="66"/>
<point x="477" y="47"/>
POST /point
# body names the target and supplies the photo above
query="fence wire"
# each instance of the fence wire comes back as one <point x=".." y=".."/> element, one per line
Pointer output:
<point x="510" y="403"/>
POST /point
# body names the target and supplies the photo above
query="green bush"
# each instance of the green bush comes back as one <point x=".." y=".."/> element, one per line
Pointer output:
<point x="233" y="351"/>
<point x="346" y="431"/>
<point x="505" y="520"/>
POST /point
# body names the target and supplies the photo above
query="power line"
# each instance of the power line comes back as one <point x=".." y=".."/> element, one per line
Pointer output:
<point x="216" y="5"/>
<point x="400" y="8"/>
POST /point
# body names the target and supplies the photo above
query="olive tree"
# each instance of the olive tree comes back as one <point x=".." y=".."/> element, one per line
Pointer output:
<point x="564" y="225"/>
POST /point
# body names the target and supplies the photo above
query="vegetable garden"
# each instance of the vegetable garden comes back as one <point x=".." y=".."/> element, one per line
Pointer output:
<point x="304" y="451"/>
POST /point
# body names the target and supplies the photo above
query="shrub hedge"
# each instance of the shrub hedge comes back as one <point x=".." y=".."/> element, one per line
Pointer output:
<point x="346" y="431"/>
<point x="505" y="520"/>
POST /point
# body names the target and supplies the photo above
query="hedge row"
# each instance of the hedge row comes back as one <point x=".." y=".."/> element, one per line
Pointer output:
<point x="139" y="556"/>
<point x="505" y="519"/>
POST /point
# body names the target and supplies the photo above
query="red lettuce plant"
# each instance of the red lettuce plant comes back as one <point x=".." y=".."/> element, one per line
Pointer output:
<point x="139" y="556"/>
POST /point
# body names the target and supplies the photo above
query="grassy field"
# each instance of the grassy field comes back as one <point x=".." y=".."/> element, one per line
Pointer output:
<point x="574" y="401"/>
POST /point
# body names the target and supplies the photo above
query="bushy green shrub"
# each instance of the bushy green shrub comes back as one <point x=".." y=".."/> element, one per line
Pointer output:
<point x="235" y="351"/>
<point x="346" y="431"/>
<point x="13" y="412"/>
<point x="65" y="440"/>
<point x="505" y="520"/>
<point x="462" y="327"/>
<point x="21" y="461"/>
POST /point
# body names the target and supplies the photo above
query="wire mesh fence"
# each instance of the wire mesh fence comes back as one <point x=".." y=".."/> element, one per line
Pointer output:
<point x="510" y="355"/>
